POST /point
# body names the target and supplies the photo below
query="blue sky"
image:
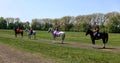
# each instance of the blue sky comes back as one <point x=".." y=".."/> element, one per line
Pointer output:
<point x="27" y="10"/>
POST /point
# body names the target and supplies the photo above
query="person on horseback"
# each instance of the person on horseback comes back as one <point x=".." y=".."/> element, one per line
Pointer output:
<point x="56" y="31"/>
<point x="57" y="28"/>
<point x="96" y="31"/>
<point x="31" y="30"/>
<point x="18" y="29"/>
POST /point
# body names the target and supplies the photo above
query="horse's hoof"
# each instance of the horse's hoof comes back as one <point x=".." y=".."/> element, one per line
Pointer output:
<point x="103" y="47"/>
<point x="62" y="43"/>
<point x="53" y="42"/>
<point x="94" y="47"/>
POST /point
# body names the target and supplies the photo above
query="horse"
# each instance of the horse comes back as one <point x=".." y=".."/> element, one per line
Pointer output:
<point x="59" y="34"/>
<point x="29" y="33"/>
<point x="103" y="36"/>
<point x="18" y="31"/>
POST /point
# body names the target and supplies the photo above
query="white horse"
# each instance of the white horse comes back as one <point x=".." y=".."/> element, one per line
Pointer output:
<point x="29" y="33"/>
<point x="59" y="34"/>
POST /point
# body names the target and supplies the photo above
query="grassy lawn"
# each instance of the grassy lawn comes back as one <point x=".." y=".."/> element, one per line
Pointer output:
<point x="64" y="53"/>
<point x="78" y="37"/>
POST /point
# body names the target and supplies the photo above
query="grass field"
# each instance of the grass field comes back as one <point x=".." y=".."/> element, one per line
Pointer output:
<point x="63" y="53"/>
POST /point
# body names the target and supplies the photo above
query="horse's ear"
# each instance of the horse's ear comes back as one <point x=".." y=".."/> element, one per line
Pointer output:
<point x="87" y="29"/>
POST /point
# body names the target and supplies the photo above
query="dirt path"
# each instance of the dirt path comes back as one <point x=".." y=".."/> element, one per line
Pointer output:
<point x="71" y="44"/>
<point x="89" y="46"/>
<point x="10" y="55"/>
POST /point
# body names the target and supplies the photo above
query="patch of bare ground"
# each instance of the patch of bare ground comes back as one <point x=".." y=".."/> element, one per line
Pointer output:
<point x="11" y="55"/>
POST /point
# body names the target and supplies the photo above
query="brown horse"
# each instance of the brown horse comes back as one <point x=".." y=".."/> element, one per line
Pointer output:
<point x="18" y="31"/>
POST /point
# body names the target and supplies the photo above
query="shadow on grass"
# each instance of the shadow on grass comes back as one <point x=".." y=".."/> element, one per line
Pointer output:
<point x="106" y="48"/>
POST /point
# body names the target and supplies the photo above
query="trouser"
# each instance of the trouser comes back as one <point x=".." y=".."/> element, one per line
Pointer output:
<point x="96" y="34"/>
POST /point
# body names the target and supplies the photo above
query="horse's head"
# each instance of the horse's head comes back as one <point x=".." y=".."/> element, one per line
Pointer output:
<point x="88" y="32"/>
<point x="26" y="30"/>
<point x="50" y="30"/>
<point x="14" y="29"/>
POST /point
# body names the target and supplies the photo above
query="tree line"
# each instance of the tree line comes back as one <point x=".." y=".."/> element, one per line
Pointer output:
<point x="109" y="22"/>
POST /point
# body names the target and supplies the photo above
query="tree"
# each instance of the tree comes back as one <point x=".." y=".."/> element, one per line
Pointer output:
<point x="47" y="23"/>
<point x="11" y="25"/>
<point x="26" y="24"/>
<point x="69" y="26"/>
<point x="56" y="22"/>
<point x="64" y="23"/>
<point x="3" y="23"/>
<point x="114" y="24"/>
<point x="10" y="22"/>
<point x="36" y="24"/>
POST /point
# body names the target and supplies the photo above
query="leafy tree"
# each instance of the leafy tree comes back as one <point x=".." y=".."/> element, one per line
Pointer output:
<point x="11" y="26"/>
<point x="114" y="24"/>
<point x="64" y="23"/>
<point x="69" y="26"/>
<point x="26" y="24"/>
<point x="3" y="23"/>
<point x="47" y="26"/>
<point x="10" y="22"/>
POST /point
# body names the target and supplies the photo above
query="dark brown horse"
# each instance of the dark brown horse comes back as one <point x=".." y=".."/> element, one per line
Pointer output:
<point x="18" y="31"/>
<point x="103" y="36"/>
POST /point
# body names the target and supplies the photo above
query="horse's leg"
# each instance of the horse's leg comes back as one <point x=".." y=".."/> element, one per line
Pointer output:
<point x="35" y="36"/>
<point x="105" y="39"/>
<point x="93" y="43"/>
<point x="22" y="34"/>
<point x="53" y="39"/>
<point x="62" y="41"/>
<point x="63" y="37"/>
<point x="15" y="34"/>
<point x="28" y="36"/>
<point x="104" y="42"/>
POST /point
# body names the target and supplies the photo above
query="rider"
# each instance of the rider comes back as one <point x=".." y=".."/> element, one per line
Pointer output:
<point x="56" y="31"/>
<point x="57" y="28"/>
<point x="96" y="31"/>
<point x="31" y="30"/>
<point x="18" y="29"/>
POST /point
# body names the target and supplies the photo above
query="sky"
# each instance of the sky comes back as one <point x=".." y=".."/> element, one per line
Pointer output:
<point x="27" y="10"/>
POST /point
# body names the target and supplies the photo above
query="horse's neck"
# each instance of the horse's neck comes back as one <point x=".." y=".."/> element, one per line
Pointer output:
<point x="27" y="30"/>
<point x="91" y="33"/>
<point x="52" y="31"/>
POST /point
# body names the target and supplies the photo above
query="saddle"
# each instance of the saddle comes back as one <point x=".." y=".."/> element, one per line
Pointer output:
<point x="18" y="30"/>
<point x="56" y="33"/>
<point x="97" y="35"/>
<point x="31" y="31"/>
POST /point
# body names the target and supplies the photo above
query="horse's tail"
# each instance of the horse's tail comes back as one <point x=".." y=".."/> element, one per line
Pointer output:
<point x="106" y="36"/>
<point x="64" y="34"/>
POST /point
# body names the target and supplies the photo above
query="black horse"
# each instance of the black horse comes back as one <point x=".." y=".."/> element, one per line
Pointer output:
<point x="18" y="31"/>
<point x="103" y="36"/>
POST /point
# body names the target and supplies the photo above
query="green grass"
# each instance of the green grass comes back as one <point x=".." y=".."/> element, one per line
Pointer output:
<point x="78" y="37"/>
<point x="64" y="53"/>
